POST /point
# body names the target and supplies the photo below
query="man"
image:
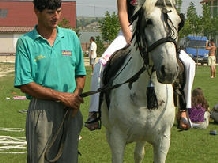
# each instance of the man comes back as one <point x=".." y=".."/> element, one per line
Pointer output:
<point x="92" y="54"/>
<point x="50" y="70"/>
<point x="212" y="57"/>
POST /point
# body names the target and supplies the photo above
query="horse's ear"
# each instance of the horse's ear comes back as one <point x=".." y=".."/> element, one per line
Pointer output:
<point x="182" y="23"/>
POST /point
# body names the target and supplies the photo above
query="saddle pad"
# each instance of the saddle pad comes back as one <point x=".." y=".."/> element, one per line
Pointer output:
<point x="114" y="64"/>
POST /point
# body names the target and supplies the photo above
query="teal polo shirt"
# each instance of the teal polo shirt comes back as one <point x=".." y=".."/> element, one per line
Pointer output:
<point x="54" y="67"/>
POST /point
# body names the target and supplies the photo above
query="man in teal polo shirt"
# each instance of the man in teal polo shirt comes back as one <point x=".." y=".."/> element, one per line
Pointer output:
<point x="50" y="70"/>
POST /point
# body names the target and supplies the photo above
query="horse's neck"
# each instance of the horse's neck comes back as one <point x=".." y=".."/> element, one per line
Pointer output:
<point x="137" y="60"/>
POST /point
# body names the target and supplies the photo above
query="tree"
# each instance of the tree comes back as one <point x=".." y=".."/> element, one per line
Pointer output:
<point x="66" y="24"/>
<point x="179" y="4"/>
<point x="208" y="24"/>
<point x="193" y="19"/>
<point x="109" y="27"/>
<point x="192" y="22"/>
<point x="100" y="46"/>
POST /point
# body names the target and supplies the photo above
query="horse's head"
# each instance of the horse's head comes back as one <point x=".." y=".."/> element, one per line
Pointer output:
<point x="155" y="30"/>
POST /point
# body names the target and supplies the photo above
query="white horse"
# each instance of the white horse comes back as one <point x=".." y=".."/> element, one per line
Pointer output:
<point x="153" y="49"/>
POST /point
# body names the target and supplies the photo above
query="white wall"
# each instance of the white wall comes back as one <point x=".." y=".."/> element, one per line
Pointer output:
<point x="8" y="43"/>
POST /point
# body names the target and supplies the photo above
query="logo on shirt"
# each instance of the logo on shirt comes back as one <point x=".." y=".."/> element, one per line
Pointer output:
<point x="39" y="57"/>
<point x="66" y="52"/>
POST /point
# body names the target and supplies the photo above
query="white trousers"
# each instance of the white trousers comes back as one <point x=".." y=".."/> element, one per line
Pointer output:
<point x="119" y="43"/>
<point x="190" y="67"/>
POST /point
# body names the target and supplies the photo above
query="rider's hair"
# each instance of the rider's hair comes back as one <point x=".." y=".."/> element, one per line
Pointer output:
<point x="46" y="4"/>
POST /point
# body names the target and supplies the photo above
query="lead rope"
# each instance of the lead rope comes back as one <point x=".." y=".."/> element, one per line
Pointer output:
<point x="52" y="140"/>
<point x="67" y="114"/>
<point x="108" y="87"/>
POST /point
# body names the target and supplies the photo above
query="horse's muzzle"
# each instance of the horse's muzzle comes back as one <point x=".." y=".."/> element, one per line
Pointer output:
<point x="166" y="76"/>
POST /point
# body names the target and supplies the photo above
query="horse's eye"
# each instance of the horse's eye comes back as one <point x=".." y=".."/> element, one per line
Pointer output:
<point x="149" y="22"/>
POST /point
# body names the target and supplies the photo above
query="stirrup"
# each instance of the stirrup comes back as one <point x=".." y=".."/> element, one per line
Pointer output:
<point x="92" y="122"/>
<point x="93" y="126"/>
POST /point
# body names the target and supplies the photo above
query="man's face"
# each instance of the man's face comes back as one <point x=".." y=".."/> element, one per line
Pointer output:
<point x="48" y="18"/>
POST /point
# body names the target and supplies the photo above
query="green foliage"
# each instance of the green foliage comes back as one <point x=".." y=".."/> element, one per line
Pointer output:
<point x="109" y="26"/>
<point x="66" y="24"/>
<point x="179" y="5"/>
<point x="100" y="46"/>
<point x="199" y="25"/>
<point x="83" y="22"/>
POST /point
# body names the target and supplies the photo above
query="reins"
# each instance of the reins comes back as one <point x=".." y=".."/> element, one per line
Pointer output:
<point x="109" y="88"/>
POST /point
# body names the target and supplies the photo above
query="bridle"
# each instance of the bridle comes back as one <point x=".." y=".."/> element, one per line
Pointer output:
<point x="140" y="34"/>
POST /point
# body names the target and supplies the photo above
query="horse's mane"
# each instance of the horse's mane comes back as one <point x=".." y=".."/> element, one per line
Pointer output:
<point x="149" y="5"/>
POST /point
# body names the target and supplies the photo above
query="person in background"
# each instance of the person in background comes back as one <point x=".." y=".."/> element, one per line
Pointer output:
<point x="210" y="45"/>
<point x="214" y="113"/>
<point x="199" y="112"/>
<point x="190" y="67"/>
<point x="92" y="52"/>
<point x="50" y="70"/>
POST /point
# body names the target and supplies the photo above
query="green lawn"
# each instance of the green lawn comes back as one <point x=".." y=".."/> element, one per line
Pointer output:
<point x="194" y="146"/>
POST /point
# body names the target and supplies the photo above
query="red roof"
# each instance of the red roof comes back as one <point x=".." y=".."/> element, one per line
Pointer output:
<point x="206" y="1"/>
<point x="15" y="29"/>
<point x="21" y="13"/>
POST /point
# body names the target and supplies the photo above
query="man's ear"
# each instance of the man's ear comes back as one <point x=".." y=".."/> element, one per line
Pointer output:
<point x="36" y="11"/>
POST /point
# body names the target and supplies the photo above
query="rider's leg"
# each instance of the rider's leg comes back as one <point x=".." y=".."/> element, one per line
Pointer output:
<point x="190" y="67"/>
<point x="117" y="44"/>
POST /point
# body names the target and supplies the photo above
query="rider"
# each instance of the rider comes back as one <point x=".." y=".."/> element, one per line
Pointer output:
<point x="190" y="66"/>
<point x="124" y="37"/>
<point x="125" y="12"/>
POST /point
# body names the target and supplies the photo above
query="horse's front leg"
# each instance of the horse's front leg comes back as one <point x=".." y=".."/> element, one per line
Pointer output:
<point x="117" y="142"/>
<point x="139" y="152"/>
<point x="161" y="148"/>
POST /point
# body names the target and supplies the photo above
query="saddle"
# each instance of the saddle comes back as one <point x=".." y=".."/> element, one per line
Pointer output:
<point x="178" y="87"/>
<point x="116" y="60"/>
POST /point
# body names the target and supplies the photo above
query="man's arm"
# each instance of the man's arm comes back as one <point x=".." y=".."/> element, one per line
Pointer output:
<point x="208" y="47"/>
<point x="80" y="83"/>
<point x="70" y="100"/>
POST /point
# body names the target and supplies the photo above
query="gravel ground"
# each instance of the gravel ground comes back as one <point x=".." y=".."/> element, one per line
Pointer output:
<point x="8" y="67"/>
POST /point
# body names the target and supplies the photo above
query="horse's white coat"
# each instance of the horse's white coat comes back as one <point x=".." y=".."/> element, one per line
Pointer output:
<point x="128" y="119"/>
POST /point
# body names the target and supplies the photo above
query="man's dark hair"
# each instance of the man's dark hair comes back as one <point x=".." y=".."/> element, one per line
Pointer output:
<point x="92" y="38"/>
<point x="47" y="4"/>
<point x="212" y="40"/>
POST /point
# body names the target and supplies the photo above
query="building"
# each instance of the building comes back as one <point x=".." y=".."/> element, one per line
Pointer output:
<point x="17" y="17"/>
<point x="213" y="4"/>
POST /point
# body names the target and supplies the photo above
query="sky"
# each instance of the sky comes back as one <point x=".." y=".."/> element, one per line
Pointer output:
<point x="96" y="8"/>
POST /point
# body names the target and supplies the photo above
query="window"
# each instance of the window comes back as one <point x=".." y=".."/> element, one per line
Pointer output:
<point x="3" y="13"/>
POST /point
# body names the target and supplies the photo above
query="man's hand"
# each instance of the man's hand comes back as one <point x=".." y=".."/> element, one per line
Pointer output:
<point x="72" y="101"/>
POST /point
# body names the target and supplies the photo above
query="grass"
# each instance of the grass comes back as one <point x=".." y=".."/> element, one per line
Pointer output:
<point x="195" y="146"/>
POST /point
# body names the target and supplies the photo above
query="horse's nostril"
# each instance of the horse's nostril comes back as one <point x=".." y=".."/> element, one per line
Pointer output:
<point x="163" y="70"/>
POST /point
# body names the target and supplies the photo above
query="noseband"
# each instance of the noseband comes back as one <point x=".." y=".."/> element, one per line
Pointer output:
<point x="140" y="35"/>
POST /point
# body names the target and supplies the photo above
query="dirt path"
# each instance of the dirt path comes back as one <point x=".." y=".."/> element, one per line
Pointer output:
<point x="6" y="68"/>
